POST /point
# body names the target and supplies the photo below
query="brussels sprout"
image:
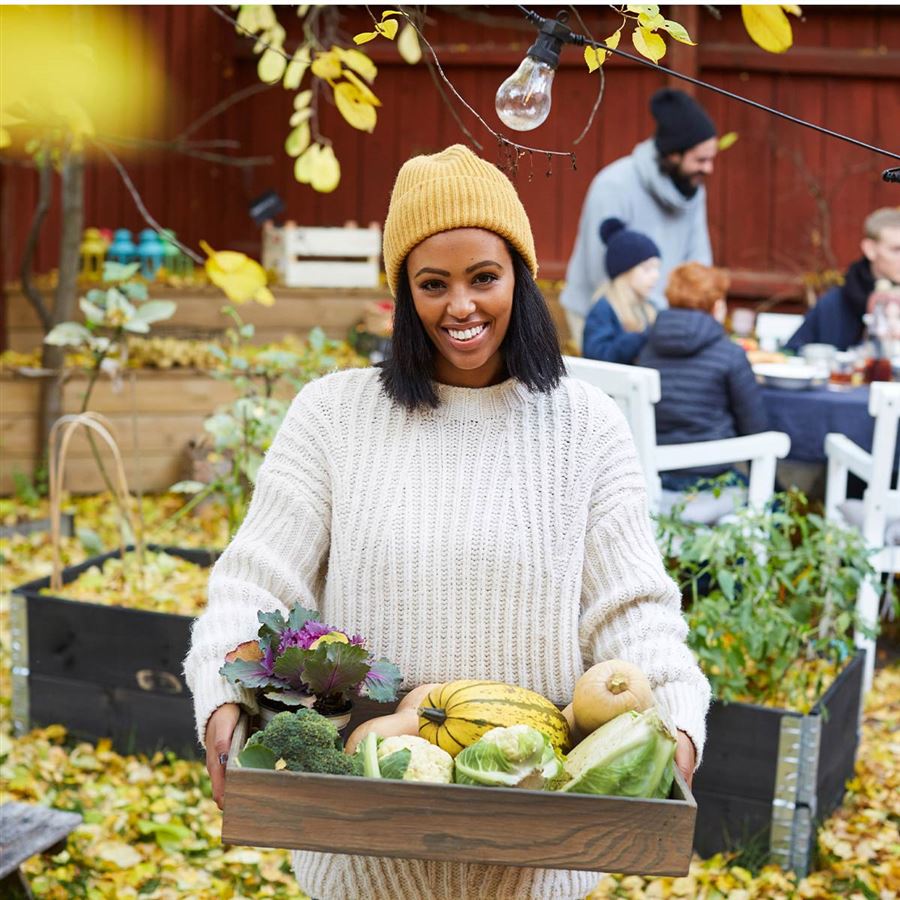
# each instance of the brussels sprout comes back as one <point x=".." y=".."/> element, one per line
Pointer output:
<point x="517" y="756"/>
<point x="630" y="756"/>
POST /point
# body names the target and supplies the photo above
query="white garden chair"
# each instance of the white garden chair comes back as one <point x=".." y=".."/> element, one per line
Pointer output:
<point x="877" y="515"/>
<point x="636" y="390"/>
<point x="774" y="330"/>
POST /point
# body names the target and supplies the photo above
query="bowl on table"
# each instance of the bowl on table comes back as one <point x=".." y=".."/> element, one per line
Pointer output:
<point x="787" y="376"/>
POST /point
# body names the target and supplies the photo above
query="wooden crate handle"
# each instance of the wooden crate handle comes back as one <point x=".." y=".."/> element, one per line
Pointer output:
<point x="68" y="425"/>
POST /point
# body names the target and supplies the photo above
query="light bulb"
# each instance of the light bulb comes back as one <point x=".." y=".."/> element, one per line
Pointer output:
<point x="523" y="100"/>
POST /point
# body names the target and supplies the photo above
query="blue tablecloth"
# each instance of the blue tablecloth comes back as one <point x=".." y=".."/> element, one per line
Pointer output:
<point x="807" y="416"/>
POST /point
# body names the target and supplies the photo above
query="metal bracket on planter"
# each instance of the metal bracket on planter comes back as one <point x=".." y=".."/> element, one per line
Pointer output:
<point x="794" y="805"/>
<point x="21" y="708"/>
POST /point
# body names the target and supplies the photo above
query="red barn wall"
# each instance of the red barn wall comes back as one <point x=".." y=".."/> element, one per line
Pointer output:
<point x="783" y="200"/>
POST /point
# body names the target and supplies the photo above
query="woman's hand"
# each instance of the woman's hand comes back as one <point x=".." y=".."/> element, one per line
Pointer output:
<point x="219" y="730"/>
<point x="685" y="756"/>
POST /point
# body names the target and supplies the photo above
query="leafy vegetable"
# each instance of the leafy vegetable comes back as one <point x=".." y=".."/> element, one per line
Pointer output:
<point x="404" y="757"/>
<point x="630" y="756"/>
<point x="516" y="756"/>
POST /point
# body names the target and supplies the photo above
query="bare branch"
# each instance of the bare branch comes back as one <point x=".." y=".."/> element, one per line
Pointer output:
<point x="129" y="184"/>
<point x="34" y="296"/>
<point x="599" y="99"/>
<point x="220" y="107"/>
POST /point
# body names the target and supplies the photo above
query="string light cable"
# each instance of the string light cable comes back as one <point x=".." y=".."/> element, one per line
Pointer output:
<point x="553" y="32"/>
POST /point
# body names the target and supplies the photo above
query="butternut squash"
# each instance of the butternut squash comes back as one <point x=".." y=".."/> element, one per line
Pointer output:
<point x="406" y="721"/>
<point x="607" y="690"/>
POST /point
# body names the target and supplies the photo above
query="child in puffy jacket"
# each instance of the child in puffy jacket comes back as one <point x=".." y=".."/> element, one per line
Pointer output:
<point x="617" y="325"/>
<point x="708" y="388"/>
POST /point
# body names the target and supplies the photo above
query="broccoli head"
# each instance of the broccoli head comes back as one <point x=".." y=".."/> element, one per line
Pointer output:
<point x="307" y="742"/>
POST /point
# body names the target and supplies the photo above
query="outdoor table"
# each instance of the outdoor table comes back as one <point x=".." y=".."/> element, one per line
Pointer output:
<point x="808" y="415"/>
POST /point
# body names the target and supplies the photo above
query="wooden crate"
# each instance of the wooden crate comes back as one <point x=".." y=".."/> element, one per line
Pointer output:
<point x="455" y="822"/>
<point x="307" y="257"/>
<point x="769" y="775"/>
<point x="103" y="671"/>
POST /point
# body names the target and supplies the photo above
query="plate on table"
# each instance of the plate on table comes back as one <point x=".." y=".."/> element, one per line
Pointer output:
<point x="786" y="376"/>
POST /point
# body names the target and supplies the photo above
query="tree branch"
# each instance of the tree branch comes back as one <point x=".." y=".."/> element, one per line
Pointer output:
<point x="34" y="296"/>
<point x="220" y="107"/>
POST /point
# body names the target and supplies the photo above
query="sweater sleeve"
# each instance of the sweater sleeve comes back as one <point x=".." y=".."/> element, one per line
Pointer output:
<point x="700" y="249"/>
<point x="631" y="609"/>
<point x="274" y="559"/>
<point x="586" y="271"/>
<point x="605" y="338"/>
<point x="807" y="333"/>
<point x="745" y="397"/>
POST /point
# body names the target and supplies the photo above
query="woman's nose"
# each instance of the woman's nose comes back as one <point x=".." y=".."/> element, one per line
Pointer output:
<point x="460" y="305"/>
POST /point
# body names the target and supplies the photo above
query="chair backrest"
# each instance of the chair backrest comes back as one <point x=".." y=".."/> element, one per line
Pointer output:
<point x="635" y="390"/>
<point x="774" y="330"/>
<point x="880" y="502"/>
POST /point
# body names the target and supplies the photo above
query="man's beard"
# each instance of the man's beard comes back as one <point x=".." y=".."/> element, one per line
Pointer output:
<point x="681" y="181"/>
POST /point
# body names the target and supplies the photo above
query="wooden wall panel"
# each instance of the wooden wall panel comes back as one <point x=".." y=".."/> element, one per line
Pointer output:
<point x="763" y="213"/>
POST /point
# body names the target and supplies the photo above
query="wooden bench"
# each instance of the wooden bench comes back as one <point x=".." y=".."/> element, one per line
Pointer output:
<point x="26" y="830"/>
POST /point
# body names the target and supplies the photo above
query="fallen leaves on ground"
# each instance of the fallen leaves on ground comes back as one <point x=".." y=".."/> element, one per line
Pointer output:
<point x="151" y="830"/>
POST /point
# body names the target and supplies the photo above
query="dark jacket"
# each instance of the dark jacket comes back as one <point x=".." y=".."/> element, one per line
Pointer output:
<point x="708" y="388"/>
<point x="836" y="318"/>
<point x="605" y="339"/>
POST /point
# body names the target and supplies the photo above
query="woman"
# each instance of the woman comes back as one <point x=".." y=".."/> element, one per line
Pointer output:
<point x="617" y="325"/>
<point x="708" y="390"/>
<point x="470" y="511"/>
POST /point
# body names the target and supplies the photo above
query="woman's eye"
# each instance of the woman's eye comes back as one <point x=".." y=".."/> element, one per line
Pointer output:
<point x="484" y="278"/>
<point x="432" y="285"/>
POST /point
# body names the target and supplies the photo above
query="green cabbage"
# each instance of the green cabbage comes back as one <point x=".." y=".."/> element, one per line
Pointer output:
<point x="630" y="756"/>
<point x="517" y="756"/>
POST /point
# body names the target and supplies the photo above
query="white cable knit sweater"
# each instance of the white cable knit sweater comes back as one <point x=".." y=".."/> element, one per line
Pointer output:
<point x="504" y="535"/>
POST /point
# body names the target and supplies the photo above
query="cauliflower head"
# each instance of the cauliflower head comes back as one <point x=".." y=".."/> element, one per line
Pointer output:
<point x="426" y="761"/>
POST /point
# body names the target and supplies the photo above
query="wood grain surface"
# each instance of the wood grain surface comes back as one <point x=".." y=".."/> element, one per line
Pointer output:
<point x="372" y="817"/>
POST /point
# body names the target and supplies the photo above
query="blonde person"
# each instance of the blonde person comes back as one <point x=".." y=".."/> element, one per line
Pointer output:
<point x="617" y="325"/>
<point x="467" y="508"/>
<point x="708" y="390"/>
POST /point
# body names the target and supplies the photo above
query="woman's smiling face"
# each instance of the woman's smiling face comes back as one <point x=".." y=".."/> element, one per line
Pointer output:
<point x="462" y="285"/>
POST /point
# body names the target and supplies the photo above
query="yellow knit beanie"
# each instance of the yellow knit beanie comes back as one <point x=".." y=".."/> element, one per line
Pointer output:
<point x="452" y="189"/>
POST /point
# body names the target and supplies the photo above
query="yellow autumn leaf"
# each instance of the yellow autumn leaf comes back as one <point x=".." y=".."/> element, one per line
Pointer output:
<point x="591" y="57"/>
<point x="302" y="99"/>
<point x="303" y="167"/>
<point x="648" y="43"/>
<point x="388" y="28"/>
<point x="408" y="45"/>
<point x="643" y="9"/>
<point x="299" y="116"/>
<point x="358" y="62"/>
<point x="768" y="26"/>
<point x="364" y="37"/>
<point x="326" y="171"/>
<point x="296" y="68"/>
<point x="271" y="66"/>
<point x="793" y="10"/>
<point x="364" y="90"/>
<point x="241" y="278"/>
<point x="597" y="57"/>
<point x="327" y="65"/>
<point x="677" y="31"/>
<point x="651" y="22"/>
<point x="390" y="12"/>
<point x="728" y="140"/>
<point x="355" y="109"/>
<point x="298" y="140"/>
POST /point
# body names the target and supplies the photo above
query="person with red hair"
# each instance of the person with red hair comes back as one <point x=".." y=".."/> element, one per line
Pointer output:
<point x="708" y="390"/>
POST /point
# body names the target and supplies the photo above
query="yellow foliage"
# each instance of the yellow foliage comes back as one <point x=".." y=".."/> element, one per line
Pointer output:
<point x="408" y="45"/>
<point x="67" y="70"/>
<point x="358" y="62"/>
<point x="768" y="26"/>
<point x="595" y="57"/>
<point x="354" y="107"/>
<point x="386" y="27"/>
<point x="327" y="65"/>
<point x="648" y="43"/>
<point x="241" y="278"/>
<point x="728" y="140"/>
<point x="318" y="167"/>
<point x="271" y="66"/>
<point x="296" y="68"/>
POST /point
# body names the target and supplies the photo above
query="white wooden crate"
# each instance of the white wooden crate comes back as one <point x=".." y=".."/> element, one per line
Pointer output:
<point x="323" y="257"/>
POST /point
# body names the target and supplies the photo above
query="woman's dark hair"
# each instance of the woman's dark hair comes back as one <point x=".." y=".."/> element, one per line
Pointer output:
<point x="530" y="349"/>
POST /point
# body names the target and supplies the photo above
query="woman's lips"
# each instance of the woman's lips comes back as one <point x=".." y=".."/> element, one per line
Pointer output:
<point x="470" y="344"/>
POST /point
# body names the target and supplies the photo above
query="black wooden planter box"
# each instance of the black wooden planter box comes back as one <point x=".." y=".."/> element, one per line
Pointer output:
<point x="103" y="671"/>
<point x="770" y="775"/>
